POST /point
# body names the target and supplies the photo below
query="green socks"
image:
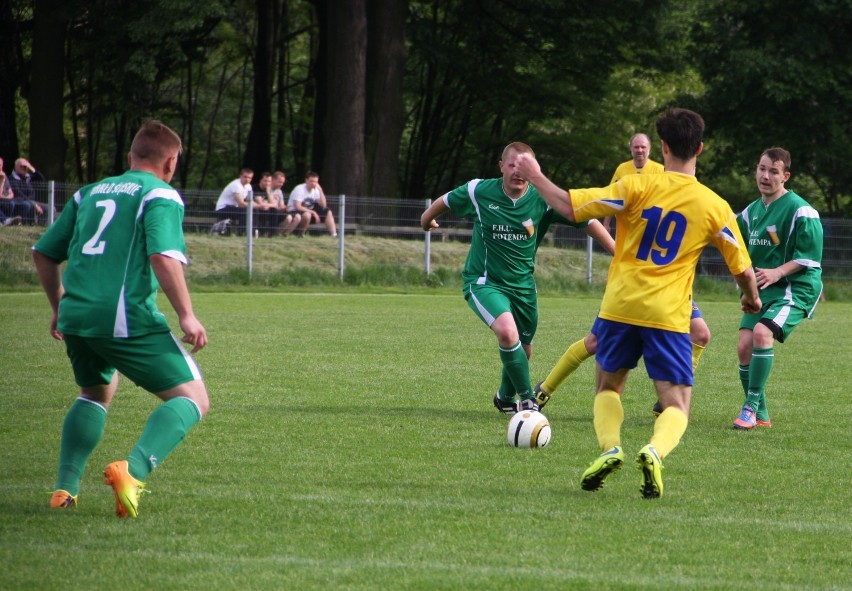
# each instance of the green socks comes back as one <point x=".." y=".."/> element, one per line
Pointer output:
<point x="758" y="375"/>
<point x="165" y="429"/>
<point x="81" y="433"/>
<point x="517" y="367"/>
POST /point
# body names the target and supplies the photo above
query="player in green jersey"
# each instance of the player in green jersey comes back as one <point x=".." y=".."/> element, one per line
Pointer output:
<point x="664" y="222"/>
<point x="784" y="236"/>
<point x="498" y="274"/>
<point x="122" y="239"/>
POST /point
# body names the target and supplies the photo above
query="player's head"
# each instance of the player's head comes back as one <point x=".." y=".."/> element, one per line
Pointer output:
<point x="156" y="147"/>
<point x="640" y="149"/>
<point x="682" y="131"/>
<point x="513" y="184"/>
<point x="773" y="170"/>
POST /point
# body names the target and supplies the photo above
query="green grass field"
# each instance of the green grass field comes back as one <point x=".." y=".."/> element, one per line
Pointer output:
<point x="351" y="444"/>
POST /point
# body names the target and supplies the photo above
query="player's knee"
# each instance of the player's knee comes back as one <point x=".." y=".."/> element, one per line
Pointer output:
<point x="591" y="343"/>
<point x="701" y="337"/>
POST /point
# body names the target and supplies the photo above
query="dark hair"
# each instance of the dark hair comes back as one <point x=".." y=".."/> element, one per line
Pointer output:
<point x="154" y="142"/>
<point x="682" y="130"/>
<point x="777" y="154"/>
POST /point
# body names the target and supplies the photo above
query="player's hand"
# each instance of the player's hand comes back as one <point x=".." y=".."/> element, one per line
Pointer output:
<point x="193" y="333"/>
<point x="53" y="331"/>
<point x="430" y="226"/>
<point x="527" y="166"/>
<point x="766" y="277"/>
<point x="750" y="306"/>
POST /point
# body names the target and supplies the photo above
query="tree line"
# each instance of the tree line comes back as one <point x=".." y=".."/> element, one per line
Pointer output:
<point x="409" y="98"/>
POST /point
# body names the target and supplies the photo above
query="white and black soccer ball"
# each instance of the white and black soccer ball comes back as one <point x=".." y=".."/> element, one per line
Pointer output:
<point x="528" y="428"/>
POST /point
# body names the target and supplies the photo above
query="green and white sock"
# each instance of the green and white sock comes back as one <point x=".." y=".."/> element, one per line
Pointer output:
<point x="165" y="429"/>
<point x="81" y="433"/>
<point x="517" y="367"/>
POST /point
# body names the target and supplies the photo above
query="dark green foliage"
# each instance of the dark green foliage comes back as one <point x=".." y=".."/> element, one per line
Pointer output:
<point x="780" y="73"/>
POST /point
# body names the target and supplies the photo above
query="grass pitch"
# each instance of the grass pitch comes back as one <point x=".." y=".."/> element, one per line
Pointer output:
<point x="351" y="444"/>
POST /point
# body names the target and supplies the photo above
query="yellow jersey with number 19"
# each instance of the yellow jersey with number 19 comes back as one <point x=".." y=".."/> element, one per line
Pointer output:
<point x="663" y="222"/>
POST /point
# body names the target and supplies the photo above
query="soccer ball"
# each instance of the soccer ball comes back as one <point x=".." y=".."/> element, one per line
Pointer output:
<point x="528" y="428"/>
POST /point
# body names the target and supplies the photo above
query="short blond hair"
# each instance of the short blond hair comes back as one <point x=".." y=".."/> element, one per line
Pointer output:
<point x="154" y="142"/>
<point x="519" y="147"/>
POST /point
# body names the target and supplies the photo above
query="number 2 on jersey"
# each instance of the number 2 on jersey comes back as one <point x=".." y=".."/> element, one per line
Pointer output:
<point x="663" y="235"/>
<point x="95" y="245"/>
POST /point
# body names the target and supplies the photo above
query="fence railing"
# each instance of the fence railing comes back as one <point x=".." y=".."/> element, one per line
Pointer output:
<point x="400" y="219"/>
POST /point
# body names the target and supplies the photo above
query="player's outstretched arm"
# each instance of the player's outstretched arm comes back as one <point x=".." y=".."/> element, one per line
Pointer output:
<point x="558" y="199"/>
<point x="427" y="218"/>
<point x="596" y="230"/>
<point x="169" y="273"/>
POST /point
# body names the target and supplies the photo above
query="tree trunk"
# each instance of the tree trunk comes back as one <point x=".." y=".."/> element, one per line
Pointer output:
<point x="258" y="155"/>
<point x="385" y="112"/>
<point x="9" y="82"/>
<point x="345" y="161"/>
<point x="47" y="140"/>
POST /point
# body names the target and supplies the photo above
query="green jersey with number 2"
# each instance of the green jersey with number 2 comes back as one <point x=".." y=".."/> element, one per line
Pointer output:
<point x="107" y="233"/>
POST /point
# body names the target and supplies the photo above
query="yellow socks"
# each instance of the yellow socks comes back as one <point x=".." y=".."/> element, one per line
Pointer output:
<point x="567" y="364"/>
<point x="697" y="350"/>
<point x="668" y="429"/>
<point x="609" y="415"/>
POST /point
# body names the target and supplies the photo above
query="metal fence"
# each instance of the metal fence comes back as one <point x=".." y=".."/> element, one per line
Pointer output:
<point x="400" y="219"/>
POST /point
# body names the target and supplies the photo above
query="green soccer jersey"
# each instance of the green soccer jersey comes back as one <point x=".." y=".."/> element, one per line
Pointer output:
<point x="503" y="245"/>
<point x="107" y="233"/>
<point x="788" y="230"/>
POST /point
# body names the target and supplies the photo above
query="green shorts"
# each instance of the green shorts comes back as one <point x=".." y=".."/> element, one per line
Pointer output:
<point x="156" y="362"/>
<point x="489" y="301"/>
<point x="779" y="316"/>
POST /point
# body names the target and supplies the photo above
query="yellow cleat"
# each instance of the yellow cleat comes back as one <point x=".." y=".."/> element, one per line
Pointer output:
<point x="606" y="463"/>
<point x="652" y="472"/>
<point x="541" y="396"/>
<point x="126" y="488"/>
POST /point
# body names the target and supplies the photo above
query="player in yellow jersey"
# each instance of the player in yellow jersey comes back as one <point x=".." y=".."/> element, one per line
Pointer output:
<point x="663" y="222"/>
<point x="579" y="351"/>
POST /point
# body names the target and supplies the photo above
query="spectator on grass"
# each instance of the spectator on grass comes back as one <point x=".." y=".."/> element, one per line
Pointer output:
<point x="234" y="199"/>
<point x="13" y="206"/>
<point x="308" y="200"/>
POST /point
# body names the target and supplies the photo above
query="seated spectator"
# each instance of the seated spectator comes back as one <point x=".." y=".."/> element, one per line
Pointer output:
<point x="6" y="189"/>
<point x="13" y="206"/>
<point x="308" y="199"/>
<point x="22" y="179"/>
<point x="233" y="202"/>
<point x="266" y="216"/>
<point x="289" y="221"/>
